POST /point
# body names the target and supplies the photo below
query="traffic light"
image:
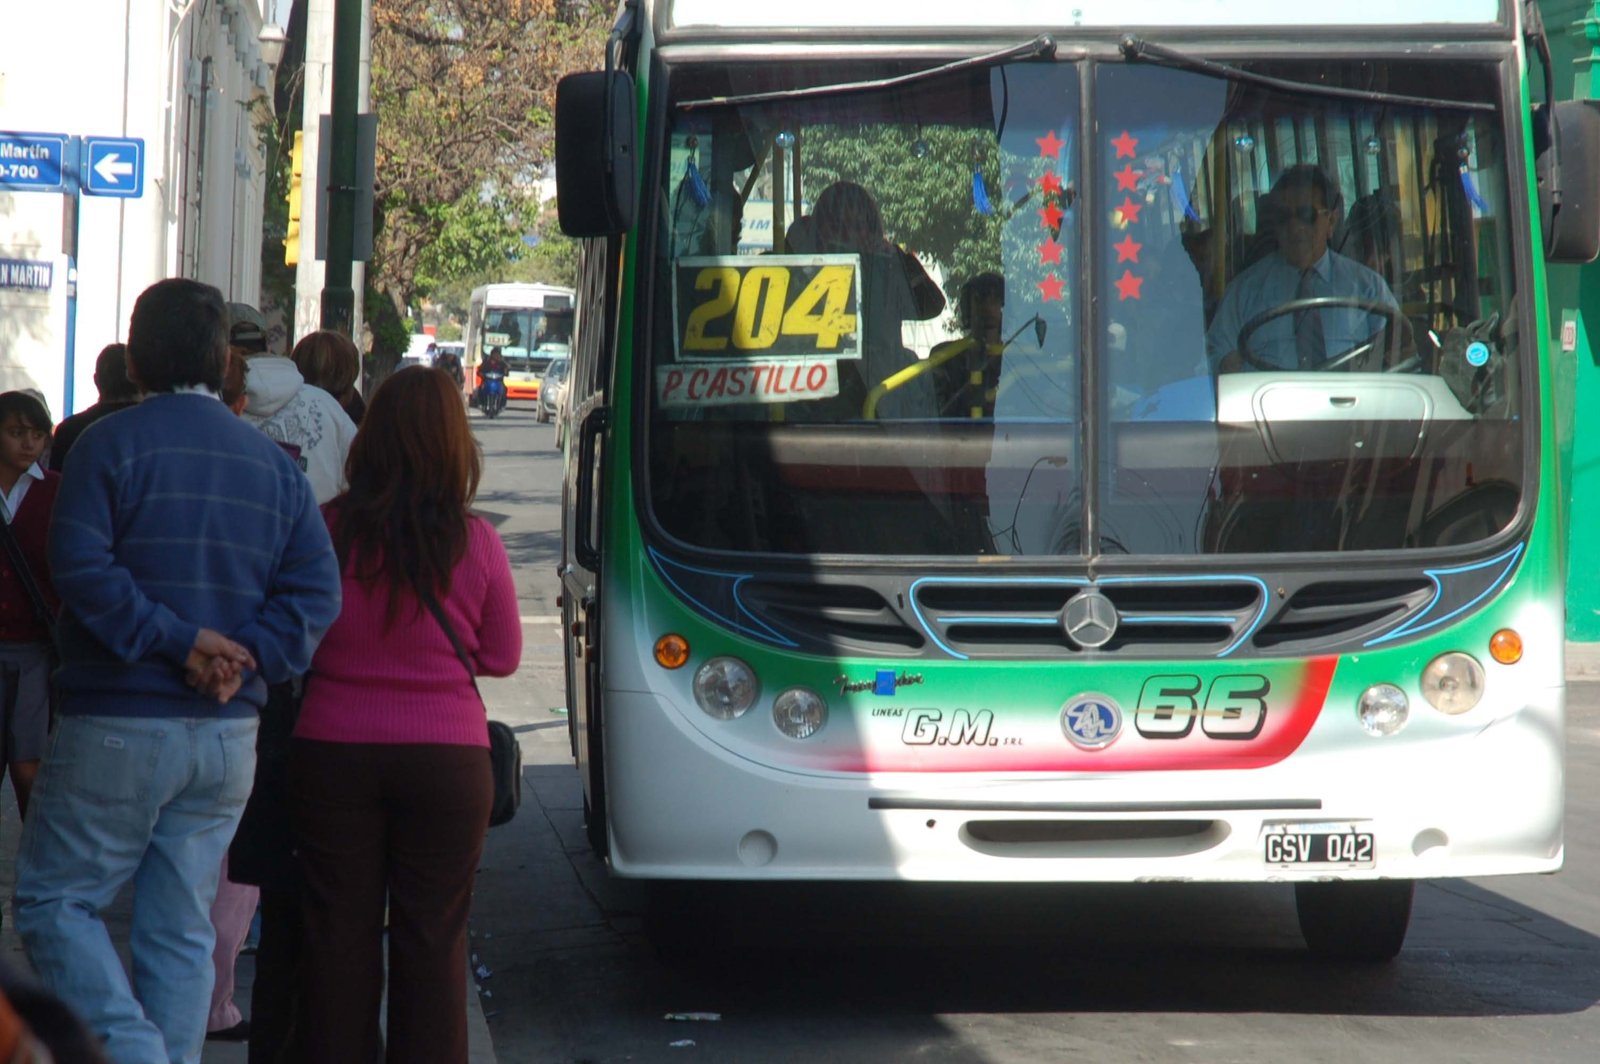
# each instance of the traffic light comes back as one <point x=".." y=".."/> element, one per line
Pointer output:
<point x="291" y="239"/>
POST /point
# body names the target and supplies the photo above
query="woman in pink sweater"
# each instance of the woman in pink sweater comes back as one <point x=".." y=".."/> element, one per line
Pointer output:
<point x="389" y="777"/>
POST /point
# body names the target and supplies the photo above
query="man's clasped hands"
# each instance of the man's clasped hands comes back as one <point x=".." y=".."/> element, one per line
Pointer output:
<point x="216" y="665"/>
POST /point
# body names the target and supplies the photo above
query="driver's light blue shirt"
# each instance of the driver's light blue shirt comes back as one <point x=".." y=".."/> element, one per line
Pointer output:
<point x="1273" y="282"/>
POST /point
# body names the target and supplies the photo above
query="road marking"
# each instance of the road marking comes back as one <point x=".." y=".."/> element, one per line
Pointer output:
<point x="550" y="619"/>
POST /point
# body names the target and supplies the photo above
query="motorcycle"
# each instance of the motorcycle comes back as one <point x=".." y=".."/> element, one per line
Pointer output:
<point x="492" y="393"/>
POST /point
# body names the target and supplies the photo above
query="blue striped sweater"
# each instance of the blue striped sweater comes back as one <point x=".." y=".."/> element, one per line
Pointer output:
<point x="175" y="515"/>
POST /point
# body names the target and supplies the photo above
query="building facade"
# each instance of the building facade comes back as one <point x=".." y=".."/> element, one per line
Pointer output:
<point x="190" y="83"/>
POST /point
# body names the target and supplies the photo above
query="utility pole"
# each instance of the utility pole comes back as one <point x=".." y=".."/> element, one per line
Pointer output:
<point x="338" y="296"/>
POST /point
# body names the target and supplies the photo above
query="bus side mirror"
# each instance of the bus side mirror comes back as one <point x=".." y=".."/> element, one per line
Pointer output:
<point x="1572" y="221"/>
<point x="595" y="131"/>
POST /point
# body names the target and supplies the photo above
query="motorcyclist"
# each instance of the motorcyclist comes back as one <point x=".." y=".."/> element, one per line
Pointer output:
<point x="450" y="362"/>
<point x="493" y="361"/>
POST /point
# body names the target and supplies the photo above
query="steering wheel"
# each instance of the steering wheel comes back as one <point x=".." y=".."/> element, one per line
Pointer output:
<point x="1392" y="322"/>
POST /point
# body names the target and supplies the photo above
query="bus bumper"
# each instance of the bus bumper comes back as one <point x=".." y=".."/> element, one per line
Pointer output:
<point x="1487" y="802"/>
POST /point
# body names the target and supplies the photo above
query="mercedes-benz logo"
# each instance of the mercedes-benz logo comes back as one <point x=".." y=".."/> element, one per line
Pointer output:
<point x="1089" y="619"/>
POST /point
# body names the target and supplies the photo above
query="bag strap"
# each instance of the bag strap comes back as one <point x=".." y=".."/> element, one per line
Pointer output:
<point x="19" y="562"/>
<point x="444" y="622"/>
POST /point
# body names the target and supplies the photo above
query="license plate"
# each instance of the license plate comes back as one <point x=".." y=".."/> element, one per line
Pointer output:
<point x="1347" y="849"/>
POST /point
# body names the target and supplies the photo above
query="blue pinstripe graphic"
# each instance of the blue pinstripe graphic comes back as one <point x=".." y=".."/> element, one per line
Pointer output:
<point x="1412" y="625"/>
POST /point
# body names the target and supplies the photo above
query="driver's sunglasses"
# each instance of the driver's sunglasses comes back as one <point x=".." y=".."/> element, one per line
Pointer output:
<point x="1305" y="215"/>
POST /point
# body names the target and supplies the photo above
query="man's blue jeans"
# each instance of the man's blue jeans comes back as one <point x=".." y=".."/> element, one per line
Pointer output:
<point x="155" y="800"/>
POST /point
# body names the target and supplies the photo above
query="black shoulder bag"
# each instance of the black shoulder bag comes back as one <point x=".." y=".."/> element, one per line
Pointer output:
<point x="505" y="755"/>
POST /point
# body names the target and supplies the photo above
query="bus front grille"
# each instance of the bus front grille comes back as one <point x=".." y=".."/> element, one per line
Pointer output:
<point x="1029" y="618"/>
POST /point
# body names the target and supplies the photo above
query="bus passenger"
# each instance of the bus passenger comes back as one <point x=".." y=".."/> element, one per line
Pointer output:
<point x="967" y="371"/>
<point x="894" y="288"/>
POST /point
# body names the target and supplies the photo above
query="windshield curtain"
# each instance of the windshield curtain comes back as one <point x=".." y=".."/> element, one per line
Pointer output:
<point x="870" y="314"/>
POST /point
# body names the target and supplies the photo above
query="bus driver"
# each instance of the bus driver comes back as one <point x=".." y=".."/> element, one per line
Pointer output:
<point x="1302" y="208"/>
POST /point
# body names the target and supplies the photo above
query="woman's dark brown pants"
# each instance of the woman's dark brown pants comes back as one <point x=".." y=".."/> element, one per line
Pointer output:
<point x="400" y="823"/>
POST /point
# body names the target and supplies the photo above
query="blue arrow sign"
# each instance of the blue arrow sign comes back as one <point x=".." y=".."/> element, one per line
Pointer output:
<point x="113" y="166"/>
<point x="32" y="162"/>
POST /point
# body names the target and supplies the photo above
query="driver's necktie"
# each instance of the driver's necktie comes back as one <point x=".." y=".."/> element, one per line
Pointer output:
<point x="1309" y="345"/>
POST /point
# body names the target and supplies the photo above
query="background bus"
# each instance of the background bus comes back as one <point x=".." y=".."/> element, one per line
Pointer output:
<point x="530" y="323"/>
<point x="1104" y="591"/>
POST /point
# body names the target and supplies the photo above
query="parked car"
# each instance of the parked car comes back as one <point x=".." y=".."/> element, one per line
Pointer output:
<point x="551" y="387"/>
<point x="417" y="353"/>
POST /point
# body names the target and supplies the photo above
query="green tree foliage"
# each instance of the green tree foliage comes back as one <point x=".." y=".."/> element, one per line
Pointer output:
<point x="465" y="96"/>
<point x="553" y="260"/>
<point x="923" y="182"/>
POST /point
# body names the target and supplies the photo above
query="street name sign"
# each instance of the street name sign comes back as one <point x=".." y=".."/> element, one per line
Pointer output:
<point x="33" y="162"/>
<point x="113" y="166"/>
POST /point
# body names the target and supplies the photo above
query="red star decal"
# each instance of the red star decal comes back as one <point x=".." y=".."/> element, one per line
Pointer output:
<point x="1051" y="287"/>
<point x="1128" y="285"/>
<point x="1050" y="145"/>
<point x="1129" y="210"/>
<point x="1127" y="178"/>
<point x="1050" y="216"/>
<point x="1125" y="145"/>
<point x="1128" y="250"/>
<point x="1051" y="183"/>
<point x="1050" y="253"/>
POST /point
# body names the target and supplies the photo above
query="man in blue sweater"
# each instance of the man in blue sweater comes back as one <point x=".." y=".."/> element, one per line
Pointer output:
<point x="193" y="569"/>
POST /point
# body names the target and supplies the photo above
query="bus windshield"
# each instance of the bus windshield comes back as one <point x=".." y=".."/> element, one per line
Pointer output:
<point x="946" y="319"/>
<point x="528" y="338"/>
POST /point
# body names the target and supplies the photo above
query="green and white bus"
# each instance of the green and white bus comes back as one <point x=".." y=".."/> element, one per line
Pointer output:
<point x="1021" y="507"/>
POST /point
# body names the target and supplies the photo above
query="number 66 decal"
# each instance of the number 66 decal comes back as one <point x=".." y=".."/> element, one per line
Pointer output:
<point x="1233" y="707"/>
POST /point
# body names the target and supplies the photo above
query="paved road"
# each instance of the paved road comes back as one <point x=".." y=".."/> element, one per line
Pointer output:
<point x="1493" y="970"/>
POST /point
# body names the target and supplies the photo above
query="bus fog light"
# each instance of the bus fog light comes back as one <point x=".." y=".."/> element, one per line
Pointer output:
<point x="799" y="713"/>
<point x="1383" y="709"/>
<point x="726" y="688"/>
<point x="1453" y="683"/>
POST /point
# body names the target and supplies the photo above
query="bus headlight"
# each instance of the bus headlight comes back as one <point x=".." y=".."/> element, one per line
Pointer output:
<point x="799" y="712"/>
<point x="726" y="688"/>
<point x="1453" y="683"/>
<point x="1383" y="709"/>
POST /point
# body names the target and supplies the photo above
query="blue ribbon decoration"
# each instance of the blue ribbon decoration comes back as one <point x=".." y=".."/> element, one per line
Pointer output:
<point x="1471" y="189"/>
<point x="699" y="191"/>
<point x="1180" y="196"/>
<point x="980" y="195"/>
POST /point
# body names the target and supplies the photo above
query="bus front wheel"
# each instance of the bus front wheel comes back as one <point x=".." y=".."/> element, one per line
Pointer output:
<point x="1357" y="921"/>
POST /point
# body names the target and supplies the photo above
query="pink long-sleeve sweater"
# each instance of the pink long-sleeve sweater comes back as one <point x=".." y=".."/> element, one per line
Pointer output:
<point x="406" y="685"/>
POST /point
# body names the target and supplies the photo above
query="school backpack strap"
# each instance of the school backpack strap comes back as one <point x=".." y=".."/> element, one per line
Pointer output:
<point x="19" y="562"/>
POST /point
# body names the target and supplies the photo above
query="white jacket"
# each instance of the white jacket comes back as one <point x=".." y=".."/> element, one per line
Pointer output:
<point x="280" y="403"/>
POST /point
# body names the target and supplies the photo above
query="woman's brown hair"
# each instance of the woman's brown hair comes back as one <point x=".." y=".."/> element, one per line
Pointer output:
<point x="328" y="360"/>
<point x="413" y="471"/>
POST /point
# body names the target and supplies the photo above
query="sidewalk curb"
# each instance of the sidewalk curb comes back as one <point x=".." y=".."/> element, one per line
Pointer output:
<point x="1583" y="662"/>
<point x="480" y="1045"/>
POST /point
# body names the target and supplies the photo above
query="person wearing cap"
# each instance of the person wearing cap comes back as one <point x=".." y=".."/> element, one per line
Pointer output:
<point x="280" y="403"/>
<point x="117" y="392"/>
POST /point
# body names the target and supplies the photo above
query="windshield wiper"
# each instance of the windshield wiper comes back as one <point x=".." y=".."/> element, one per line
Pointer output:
<point x="1135" y="49"/>
<point x="1041" y="47"/>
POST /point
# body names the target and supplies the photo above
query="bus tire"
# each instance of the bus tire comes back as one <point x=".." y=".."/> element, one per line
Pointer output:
<point x="594" y="827"/>
<point x="1356" y="920"/>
